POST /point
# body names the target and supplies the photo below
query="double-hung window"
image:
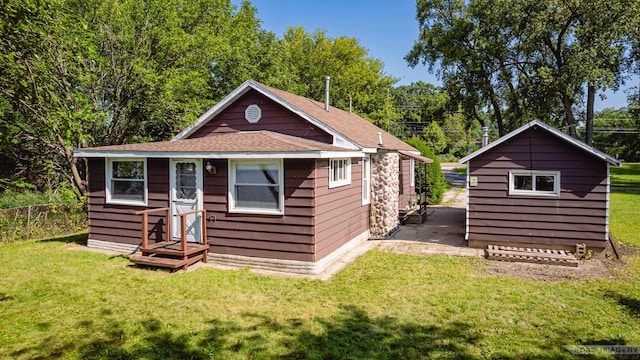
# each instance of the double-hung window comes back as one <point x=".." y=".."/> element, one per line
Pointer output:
<point x="366" y="180"/>
<point x="535" y="183"/>
<point x="412" y="172"/>
<point x="339" y="172"/>
<point x="126" y="181"/>
<point x="256" y="187"/>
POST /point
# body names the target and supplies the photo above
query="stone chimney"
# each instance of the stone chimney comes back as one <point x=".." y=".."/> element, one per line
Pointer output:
<point x="384" y="193"/>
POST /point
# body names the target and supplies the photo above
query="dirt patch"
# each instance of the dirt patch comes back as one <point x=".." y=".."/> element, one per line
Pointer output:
<point x="605" y="265"/>
<point x="594" y="268"/>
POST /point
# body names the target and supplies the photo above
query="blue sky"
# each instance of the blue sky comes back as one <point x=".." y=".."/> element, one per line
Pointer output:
<point x="386" y="28"/>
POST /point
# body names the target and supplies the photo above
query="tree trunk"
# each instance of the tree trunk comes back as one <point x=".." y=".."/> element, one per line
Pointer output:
<point x="72" y="162"/>
<point x="591" y="95"/>
<point x="569" y="120"/>
<point x="498" y="113"/>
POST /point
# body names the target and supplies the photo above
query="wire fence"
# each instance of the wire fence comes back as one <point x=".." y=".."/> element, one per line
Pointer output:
<point x="41" y="221"/>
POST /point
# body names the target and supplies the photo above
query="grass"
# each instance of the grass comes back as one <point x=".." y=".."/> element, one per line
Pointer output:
<point x="57" y="302"/>
<point x="625" y="204"/>
<point x="60" y="303"/>
<point x="628" y="175"/>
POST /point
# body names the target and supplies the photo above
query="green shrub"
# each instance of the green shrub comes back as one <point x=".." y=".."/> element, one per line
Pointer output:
<point x="447" y="158"/>
<point x="29" y="214"/>
<point x="434" y="176"/>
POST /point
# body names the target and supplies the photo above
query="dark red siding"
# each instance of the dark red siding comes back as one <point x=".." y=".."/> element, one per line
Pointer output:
<point x="407" y="192"/>
<point x="288" y="237"/>
<point x="340" y="215"/>
<point x="579" y="215"/>
<point x="118" y="223"/>
<point x="274" y="118"/>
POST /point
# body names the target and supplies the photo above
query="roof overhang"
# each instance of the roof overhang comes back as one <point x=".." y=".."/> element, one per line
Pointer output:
<point x="217" y="155"/>
<point x="551" y="130"/>
<point x="415" y="155"/>
<point x="243" y="89"/>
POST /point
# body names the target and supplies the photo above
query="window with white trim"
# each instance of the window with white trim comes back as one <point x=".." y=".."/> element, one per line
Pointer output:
<point x="256" y="186"/>
<point x="400" y="175"/>
<point x="412" y="172"/>
<point x="366" y="180"/>
<point x="339" y="172"/>
<point x="126" y="181"/>
<point x="535" y="182"/>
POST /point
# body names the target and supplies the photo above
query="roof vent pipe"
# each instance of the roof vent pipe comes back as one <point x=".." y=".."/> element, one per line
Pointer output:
<point x="485" y="136"/>
<point x="350" y="104"/>
<point x="326" y="94"/>
<point x="380" y="139"/>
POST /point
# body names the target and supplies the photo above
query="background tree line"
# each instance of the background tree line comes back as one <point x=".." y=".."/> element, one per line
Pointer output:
<point x="100" y="72"/>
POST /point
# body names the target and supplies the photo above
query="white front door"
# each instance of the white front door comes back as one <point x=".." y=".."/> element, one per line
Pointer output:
<point x="186" y="195"/>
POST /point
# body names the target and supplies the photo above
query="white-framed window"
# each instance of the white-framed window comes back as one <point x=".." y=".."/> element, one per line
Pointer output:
<point x="256" y="186"/>
<point x="339" y="172"/>
<point x="535" y="182"/>
<point x="366" y="180"/>
<point x="126" y="181"/>
<point x="412" y="172"/>
<point x="400" y="175"/>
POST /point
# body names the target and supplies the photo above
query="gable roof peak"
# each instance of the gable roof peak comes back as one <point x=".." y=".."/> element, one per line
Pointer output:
<point x="348" y="129"/>
<point x="550" y="129"/>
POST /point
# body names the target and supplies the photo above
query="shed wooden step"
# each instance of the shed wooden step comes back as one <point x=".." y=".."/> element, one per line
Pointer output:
<point x="531" y="255"/>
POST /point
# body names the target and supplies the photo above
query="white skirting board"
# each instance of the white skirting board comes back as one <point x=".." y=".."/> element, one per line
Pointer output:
<point x="278" y="265"/>
<point x="288" y="266"/>
<point x="112" y="246"/>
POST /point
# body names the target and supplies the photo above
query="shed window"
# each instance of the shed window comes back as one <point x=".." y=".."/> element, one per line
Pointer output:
<point x="539" y="183"/>
<point x="126" y="181"/>
<point x="366" y="180"/>
<point x="339" y="172"/>
<point x="256" y="187"/>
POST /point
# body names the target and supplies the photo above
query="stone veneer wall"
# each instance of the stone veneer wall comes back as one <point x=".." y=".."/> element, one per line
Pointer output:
<point x="384" y="193"/>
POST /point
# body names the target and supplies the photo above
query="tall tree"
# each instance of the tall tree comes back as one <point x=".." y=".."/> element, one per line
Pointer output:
<point x="525" y="59"/>
<point x="356" y="77"/>
<point x="76" y="73"/>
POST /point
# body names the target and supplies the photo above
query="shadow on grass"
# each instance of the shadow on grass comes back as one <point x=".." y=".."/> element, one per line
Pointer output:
<point x="352" y="333"/>
<point x="631" y="305"/>
<point x="79" y="238"/>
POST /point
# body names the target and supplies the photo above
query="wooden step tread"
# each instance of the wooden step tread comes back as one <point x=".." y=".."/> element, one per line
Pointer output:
<point x="174" y="249"/>
<point x="159" y="261"/>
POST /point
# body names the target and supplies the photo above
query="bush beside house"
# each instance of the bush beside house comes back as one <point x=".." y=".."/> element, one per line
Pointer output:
<point x="434" y="175"/>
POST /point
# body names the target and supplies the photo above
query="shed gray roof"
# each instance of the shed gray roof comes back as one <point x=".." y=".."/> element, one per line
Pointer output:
<point x="575" y="142"/>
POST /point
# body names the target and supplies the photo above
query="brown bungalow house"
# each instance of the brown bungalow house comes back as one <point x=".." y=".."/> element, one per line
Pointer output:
<point x="265" y="179"/>
<point x="538" y="187"/>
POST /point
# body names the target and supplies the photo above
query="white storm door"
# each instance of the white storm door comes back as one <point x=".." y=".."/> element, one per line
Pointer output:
<point x="186" y="196"/>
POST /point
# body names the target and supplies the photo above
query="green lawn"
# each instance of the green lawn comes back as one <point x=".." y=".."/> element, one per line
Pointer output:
<point x="61" y="303"/>
<point x="56" y="302"/>
<point x="625" y="204"/>
<point x="628" y="175"/>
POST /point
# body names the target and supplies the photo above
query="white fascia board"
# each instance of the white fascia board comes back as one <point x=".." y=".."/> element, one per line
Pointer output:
<point x="550" y="129"/>
<point x="218" y="155"/>
<point x="216" y="109"/>
<point x="370" y="150"/>
<point x="579" y="144"/>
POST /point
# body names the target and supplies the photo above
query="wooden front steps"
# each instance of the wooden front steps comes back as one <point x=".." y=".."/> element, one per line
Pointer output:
<point x="531" y="255"/>
<point x="169" y="253"/>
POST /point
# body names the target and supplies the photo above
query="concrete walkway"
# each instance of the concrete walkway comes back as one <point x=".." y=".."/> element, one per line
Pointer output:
<point x="443" y="232"/>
